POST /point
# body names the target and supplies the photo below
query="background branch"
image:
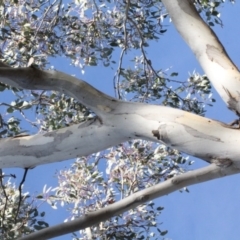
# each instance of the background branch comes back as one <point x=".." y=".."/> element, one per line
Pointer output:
<point x="189" y="178"/>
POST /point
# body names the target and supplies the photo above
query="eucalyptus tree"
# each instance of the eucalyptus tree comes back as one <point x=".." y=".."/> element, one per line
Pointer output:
<point x="138" y="136"/>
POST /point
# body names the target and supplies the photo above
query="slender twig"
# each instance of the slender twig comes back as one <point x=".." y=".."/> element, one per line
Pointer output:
<point x="6" y="197"/>
<point x="20" y="192"/>
<point x="149" y="62"/>
<point x="6" y="201"/>
<point x="116" y="79"/>
<point x="43" y="17"/>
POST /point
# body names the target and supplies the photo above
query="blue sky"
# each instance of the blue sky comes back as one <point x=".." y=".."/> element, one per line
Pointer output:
<point x="211" y="210"/>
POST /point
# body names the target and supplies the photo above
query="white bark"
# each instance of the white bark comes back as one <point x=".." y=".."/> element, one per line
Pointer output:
<point x="119" y="121"/>
<point x="208" y="50"/>
<point x="35" y="79"/>
<point x="187" y="132"/>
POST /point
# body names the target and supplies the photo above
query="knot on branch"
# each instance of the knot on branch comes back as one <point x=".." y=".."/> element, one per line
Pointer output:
<point x="156" y="134"/>
<point x="222" y="162"/>
<point x="143" y="198"/>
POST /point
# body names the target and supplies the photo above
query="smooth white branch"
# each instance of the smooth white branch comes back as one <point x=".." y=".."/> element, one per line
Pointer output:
<point x="33" y="78"/>
<point x="209" y="140"/>
<point x="208" y="50"/>
<point x="192" y="177"/>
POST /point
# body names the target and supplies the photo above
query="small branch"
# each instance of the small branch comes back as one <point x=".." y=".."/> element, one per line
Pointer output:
<point x="44" y="16"/>
<point x="117" y="76"/>
<point x="6" y="201"/>
<point x="190" y="178"/>
<point x="6" y="197"/>
<point x="20" y="192"/>
<point x="148" y="62"/>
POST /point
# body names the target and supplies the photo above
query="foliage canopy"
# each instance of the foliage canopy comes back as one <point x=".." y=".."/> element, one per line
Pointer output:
<point x="112" y="34"/>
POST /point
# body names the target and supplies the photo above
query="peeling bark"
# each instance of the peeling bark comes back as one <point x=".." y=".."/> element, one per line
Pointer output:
<point x="208" y="50"/>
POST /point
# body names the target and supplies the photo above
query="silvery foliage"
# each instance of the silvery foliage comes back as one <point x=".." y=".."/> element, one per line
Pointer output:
<point x="113" y="34"/>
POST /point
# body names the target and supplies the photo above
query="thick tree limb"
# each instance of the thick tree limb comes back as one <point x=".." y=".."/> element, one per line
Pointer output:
<point x="67" y="143"/>
<point x="200" y="137"/>
<point x="190" y="178"/>
<point x="208" y="50"/>
<point x="118" y="122"/>
<point x="35" y="79"/>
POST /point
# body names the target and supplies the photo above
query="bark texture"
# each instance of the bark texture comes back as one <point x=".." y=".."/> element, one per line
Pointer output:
<point x="208" y="50"/>
<point x="118" y="121"/>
